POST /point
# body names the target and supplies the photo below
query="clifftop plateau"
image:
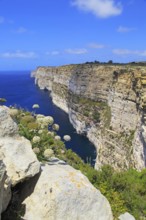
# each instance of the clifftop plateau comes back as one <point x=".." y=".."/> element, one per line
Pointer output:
<point x="107" y="103"/>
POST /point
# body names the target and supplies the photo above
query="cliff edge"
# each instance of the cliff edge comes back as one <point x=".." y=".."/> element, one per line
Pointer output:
<point x="107" y="103"/>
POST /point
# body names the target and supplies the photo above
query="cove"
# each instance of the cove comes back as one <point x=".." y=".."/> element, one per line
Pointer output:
<point x="18" y="88"/>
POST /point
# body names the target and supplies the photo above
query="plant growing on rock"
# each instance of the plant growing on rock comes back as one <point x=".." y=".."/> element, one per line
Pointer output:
<point x="13" y="112"/>
<point x="57" y="137"/>
<point x="36" y="150"/>
<point x="66" y="137"/>
<point x="55" y="127"/>
<point x="2" y="101"/>
<point x="41" y="131"/>
<point x="35" y="106"/>
<point x="48" y="153"/>
<point x="36" y="139"/>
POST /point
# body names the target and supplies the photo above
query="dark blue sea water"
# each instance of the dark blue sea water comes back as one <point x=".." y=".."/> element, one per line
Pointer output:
<point x="19" y="88"/>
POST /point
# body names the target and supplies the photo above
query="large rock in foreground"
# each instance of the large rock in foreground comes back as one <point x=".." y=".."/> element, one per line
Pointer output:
<point x="63" y="193"/>
<point x="15" y="151"/>
<point x="19" y="159"/>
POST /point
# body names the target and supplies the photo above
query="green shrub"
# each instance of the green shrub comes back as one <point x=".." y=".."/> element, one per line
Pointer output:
<point x="2" y="101"/>
<point x="27" y="119"/>
<point x="33" y="125"/>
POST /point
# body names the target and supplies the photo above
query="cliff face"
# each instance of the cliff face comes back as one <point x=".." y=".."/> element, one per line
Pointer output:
<point x="106" y="103"/>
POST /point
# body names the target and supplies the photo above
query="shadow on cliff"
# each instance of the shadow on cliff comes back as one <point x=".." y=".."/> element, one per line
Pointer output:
<point x="144" y="146"/>
<point x="16" y="209"/>
<point x="20" y="192"/>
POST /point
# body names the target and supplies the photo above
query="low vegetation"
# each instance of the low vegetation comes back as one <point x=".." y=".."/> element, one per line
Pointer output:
<point x="95" y="111"/>
<point x="2" y="101"/>
<point x="125" y="190"/>
<point x="110" y="62"/>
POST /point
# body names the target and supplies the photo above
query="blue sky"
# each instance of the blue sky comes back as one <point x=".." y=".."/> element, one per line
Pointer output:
<point x="58" y="32"/>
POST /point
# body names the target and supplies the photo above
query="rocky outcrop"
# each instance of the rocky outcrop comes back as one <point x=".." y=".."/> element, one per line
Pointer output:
<point x="5" y="189"/>
<point x="8" y="128"/>
<point x="17" y="160"/>
<point x="105" y="102"/>
<point x="63" y="193"/>
<point x="15" y="151"/>
<point x="126" y="216"/>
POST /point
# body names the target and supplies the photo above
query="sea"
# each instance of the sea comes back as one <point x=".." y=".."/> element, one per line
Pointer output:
<point x="19" y="89"/>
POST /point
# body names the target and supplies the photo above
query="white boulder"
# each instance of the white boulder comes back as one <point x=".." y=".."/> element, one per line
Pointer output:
<point x="63" y="193"/>
<point x="19" y="158"/>
<point x="126" y="216"/>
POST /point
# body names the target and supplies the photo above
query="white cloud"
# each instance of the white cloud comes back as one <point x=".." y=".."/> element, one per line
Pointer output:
<point x="123" y="51"/>
<point x="21" y="30"/>
<point x="96" y="46"/>
<point x="125" y="29"/>
<point x="100" y="8"/>
<point x="19" y="54"/>
<point x="67" y="51"/>
<point x="53" y="53"/>
<point x="76" y="51"/>
<point x="2" y="20"/>
<point x="143" y="53"/>
<point x="129" y="52"/>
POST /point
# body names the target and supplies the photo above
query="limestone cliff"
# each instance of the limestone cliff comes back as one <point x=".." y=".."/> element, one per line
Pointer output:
<point x="105" y="102"/>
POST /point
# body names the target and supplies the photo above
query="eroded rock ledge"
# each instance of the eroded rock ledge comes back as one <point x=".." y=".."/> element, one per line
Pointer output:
<point x="106" y="103"/>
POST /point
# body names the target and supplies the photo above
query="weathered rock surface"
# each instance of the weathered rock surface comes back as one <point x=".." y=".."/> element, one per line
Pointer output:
<point x="19" y="159"/>
<point x="63" y="193"/>
<point x="15" y="151"/>
<point x="126" y="216"/>
<point x="5" y="189"/>
<point x="106" y="103"/>
<point x="7" y="126"/>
